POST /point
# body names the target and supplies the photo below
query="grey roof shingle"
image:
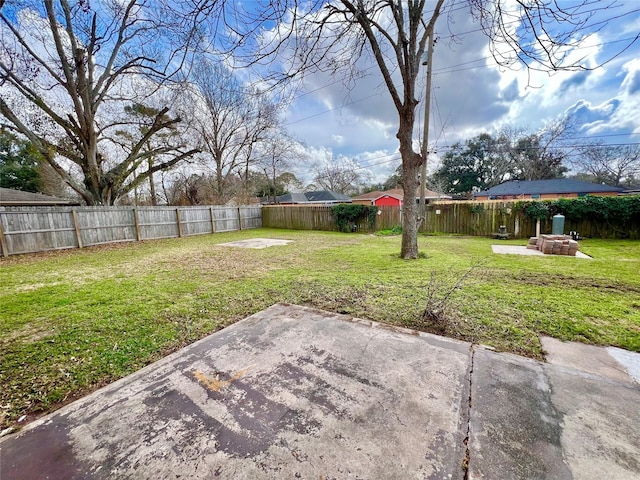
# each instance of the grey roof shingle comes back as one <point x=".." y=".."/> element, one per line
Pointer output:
<point x="326" y="196"/>
<point x="321" y="196"/>
<point x="292" y="198"/>
<point x="541" y="187"/>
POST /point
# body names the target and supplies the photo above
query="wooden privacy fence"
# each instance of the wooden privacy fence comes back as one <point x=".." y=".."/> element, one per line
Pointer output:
<point x="485" y="218"/>
<point x="458" y="218"/>
<point x="37" y="229"/>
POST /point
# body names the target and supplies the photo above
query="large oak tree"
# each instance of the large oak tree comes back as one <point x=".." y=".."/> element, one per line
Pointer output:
<point x="68" y="68"/>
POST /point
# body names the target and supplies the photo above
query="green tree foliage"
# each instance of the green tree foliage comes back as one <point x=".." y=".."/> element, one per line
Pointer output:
<point x="265" y="187"/>
<point x="394" y="180"/>
<point x="19" y="163"/>
<point x="478" y="164"/>
<point x="487" y="160"/>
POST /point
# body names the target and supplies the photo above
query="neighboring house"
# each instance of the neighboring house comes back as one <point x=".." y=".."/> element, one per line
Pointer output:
<point x="18" y="198"/>
<point x="395" y="197"/>
<point x="317" y="197"/>
<point x="545" y="189"/>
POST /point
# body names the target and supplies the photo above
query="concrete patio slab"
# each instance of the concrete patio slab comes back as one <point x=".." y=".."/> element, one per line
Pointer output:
<point x="288" y="393"/>
<point x="257" y="243"/>
<point x="520" y="250"/>
<point x="600" y="422"/>
<point x="630" y="361"/>
<point x="515" y="432"/>
<point x="293" y="392"/>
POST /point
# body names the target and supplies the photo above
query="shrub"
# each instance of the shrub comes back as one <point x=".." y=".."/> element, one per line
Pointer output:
<point x="620" y="209"/>
<point x="348" y="215"/>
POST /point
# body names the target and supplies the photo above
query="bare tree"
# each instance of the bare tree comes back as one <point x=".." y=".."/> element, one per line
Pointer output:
<point x="541" y="155"/>
<point x="66" y="68"/>
<point x="278" y="152"/>
<point x="341" y="176"/>
<point x="617" y="165"/>
<point x="231" y="120"/>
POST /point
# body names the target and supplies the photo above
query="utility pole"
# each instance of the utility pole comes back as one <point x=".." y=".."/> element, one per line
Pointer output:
<point x="425" y="135"/>
<point x="427" y="105"/>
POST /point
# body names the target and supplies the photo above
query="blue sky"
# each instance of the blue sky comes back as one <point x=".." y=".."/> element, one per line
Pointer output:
<point x="356" y="120"/>
<point x="472" y="94"/>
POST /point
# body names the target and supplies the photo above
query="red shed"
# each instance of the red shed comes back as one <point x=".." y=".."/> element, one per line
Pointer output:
<point x="387" y="201"/>
<point x="393" y="197"/>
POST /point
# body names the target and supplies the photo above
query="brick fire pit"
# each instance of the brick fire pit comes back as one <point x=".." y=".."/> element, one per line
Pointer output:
<point x="554" y="245"/>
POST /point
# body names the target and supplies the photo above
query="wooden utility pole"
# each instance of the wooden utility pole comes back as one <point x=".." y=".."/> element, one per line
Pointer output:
<point x="430" y="27"/>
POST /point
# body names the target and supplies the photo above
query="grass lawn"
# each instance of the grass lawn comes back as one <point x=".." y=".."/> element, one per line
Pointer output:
<point x="72" y="321"/>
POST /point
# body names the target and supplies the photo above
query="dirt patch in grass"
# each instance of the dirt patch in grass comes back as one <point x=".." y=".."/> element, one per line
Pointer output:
<point x="560" y="280"/>
<point x="26" y="334"/>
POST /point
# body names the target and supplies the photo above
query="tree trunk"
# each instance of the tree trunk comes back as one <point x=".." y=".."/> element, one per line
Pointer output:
<point x="410" y="182"/>
<point x="411" y="162"/>
<point x="152" y="185"/>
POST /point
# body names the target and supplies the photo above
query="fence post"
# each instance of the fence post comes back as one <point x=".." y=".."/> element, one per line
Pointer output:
<point x="178" y="221"/>
<point x="213" y="220"/>
<point x="239" y="219"/>
<point x="74" y="214"/>
<point x="3" y="240"/>
<point x="136" y="222"/>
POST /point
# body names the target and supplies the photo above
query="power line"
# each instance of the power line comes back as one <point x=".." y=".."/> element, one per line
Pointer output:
<point x="330" y="110"/>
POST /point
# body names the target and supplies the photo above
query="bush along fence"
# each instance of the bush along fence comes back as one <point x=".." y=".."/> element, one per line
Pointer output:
<point x="591" y="216"/>
<point x="37" y="229"/>
<point x="601" y="217"/>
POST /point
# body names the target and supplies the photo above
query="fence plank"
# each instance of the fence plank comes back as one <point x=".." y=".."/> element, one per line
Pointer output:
<point x="178" y="222"/>
<point x="3" y="241"/>
<point x="136" y="222"/>
<point x="74" y="214"/>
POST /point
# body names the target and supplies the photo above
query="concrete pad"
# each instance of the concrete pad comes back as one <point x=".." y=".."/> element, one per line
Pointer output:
<point x="520" y="250"/>
<point x="630" y="361"/>
<point x="543" y="421"/>
<point x="600" y="424"/>
<point x="515" y="431"/>
<point x="586" y="358"/>
<point x="290" y="392"/>
<point x="256" y="243"/>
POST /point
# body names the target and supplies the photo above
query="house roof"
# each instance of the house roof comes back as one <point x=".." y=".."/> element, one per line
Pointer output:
<point x="398" y="193"/>
<point x="292" y="198"/>
<point x="10" y="197"/>
<point x="378" y="194"/>
<point x="326" y="196"/>
<point x="320" y="196"/>
<point x="540" y="187"/>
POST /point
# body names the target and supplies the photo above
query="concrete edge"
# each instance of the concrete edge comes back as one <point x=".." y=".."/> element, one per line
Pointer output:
<point x="436" y="339"/>
<point x="591" y="376"/>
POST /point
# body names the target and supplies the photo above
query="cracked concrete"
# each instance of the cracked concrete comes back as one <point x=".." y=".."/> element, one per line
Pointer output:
<point x="293" y="392"/>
